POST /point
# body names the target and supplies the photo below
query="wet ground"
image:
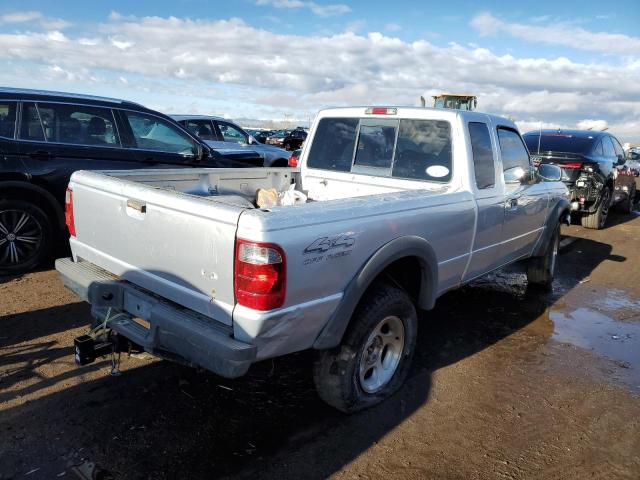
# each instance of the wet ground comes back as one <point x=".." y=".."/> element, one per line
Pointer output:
<point x="507" y="383"/>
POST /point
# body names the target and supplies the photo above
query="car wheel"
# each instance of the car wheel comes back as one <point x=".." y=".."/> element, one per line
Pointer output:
<point x="373" y="360"/>
<point x="25" y="236"/>
<point x="627" y="205"/>
<point x="542" y="270"/>
<point x="597" y="219"/>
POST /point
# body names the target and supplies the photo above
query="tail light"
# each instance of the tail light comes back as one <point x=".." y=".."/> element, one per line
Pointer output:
<point x="381" y="111"/>
<point x="260" y="275"/>
<point x="68" y="212"/>
<point x="293" y="160"/>
<point x="571" y="165"/>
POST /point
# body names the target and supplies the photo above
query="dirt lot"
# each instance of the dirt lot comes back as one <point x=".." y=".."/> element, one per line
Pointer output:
<point x="506" y="384"/>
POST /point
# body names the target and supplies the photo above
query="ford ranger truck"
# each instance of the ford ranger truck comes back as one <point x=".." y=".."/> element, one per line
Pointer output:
<point x="404" y="204"/>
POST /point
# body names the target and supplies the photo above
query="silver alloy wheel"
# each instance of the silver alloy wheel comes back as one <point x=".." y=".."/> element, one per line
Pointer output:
<point x="20" y="237"/>
<point x="381" y="354"/>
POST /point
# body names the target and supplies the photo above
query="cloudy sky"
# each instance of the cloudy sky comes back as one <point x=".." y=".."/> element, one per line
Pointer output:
<point x="559" y="64"/>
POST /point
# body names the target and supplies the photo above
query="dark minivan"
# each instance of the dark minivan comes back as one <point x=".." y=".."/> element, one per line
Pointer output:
<point x="46" y="136"/>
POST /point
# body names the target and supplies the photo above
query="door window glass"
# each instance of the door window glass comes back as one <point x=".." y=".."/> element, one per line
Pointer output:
<point x="7" y="119"/>
<point x="30" y="126"/>
<point x="515" y="158"/>
<point x="154" y="133"/>
<point x="231" y="133"/>
<point x="483" y="163"/>
<point x="375" y="146"/>
<point x="598" y="150"/>
<point x="202" y="129"/>
<point x="423" y="151"/>
<point x="617" y="147"/>
<point x="607" y="146"/>
<point x="77" y="124"/>
<point x="333" y="144"/>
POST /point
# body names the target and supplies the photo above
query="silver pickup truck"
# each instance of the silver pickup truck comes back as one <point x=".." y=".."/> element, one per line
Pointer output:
<point x="403" y="205"/>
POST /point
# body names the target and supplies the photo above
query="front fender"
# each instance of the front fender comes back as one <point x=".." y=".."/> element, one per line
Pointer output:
<point x="402" y="247"/>
<point x="556" y="213"/>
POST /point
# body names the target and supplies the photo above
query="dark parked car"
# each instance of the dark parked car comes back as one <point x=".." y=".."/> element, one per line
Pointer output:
<point x="46" y="136"/>
<point x="294" y="139"/>
<point x="260" y="135"/>
<point x="591" y="168"/>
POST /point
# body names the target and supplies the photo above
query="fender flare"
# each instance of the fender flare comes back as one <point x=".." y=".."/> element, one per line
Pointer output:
<point x="402" y="247"/>
<point x="48" y="197"/>
<point x="561" y="208"/>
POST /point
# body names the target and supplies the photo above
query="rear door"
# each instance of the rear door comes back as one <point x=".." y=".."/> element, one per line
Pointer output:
<point x="525" y="202"/>
<point x="56" y="139"/>
<point x="10" y="162"/>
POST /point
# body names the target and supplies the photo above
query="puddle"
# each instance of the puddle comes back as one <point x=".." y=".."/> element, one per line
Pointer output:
<point x="592" y="330"/>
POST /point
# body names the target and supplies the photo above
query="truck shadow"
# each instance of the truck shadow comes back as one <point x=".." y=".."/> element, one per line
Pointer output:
<point x="162" y="420"/>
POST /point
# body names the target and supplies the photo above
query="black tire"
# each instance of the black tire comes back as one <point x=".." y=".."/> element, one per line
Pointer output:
<point x="597" y="219"/>
<point x="541" y="270"/>
<point x="627" y="205"/>
<point x="337" y="373"/>
<point x="23" y="251"/>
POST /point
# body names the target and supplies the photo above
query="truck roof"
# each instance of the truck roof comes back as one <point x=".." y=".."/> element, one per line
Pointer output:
<point x="418" y="112"/>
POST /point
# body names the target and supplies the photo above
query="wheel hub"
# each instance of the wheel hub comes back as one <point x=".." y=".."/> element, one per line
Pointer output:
<point x="11" y="237"/>
<point x="381" y="354"/>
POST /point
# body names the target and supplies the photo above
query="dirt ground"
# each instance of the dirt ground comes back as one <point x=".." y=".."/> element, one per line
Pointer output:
<point x="507" y="383"/>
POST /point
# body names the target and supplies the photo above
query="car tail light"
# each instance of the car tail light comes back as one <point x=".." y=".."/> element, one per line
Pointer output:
<point x="68" y="212"/>
<point x="260" y="275"/>
<point x="381" y="111"/>
<point x="571" y="165"/>
<point x="293" y="160"/>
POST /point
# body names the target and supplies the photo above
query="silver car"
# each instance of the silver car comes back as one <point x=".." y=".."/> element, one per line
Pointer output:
<point x="222" y="134"/>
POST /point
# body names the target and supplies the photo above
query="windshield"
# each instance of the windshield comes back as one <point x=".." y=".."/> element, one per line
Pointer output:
<point x="559" y="142"/>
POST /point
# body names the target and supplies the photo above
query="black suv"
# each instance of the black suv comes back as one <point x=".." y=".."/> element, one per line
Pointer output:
<point x="294" y="139"/>
<point x="589" y="161"/>
<point x="46" y="136"/>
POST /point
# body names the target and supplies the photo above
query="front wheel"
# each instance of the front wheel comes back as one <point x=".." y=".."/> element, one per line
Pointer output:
<point x="542" y="270"/>
<point x="373" y="360"/>
<point x="597" y="219"/>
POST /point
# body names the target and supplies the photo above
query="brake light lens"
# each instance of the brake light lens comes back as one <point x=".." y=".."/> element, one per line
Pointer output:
<point x="572" y="165"/>
<point x="293" y="160"/>
<point x="381" y="111"/>
<point x="68" y="212"/>
<point x="260" y="279"/>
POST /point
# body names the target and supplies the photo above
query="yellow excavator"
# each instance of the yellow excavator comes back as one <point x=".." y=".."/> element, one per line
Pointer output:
<point x="458" y="101"/>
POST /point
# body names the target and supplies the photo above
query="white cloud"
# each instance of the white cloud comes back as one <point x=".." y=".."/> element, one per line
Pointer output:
<point x="559" y="34"/>
<point x="392" y="27"/>
<point x="591" y="124"/>
<point x="34" y="18"/>
<point x="170" y="62"/>
<point x="318" y="9"/>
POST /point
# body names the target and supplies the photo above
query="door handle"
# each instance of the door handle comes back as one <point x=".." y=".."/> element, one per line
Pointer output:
<point x="323" y="182"/>
<point x="40" y="154"/>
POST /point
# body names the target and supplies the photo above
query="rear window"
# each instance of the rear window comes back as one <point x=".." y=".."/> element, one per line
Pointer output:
<point x="409" y="149"/>
<point x="7" y="119"/>
<point x="558" y="142"/>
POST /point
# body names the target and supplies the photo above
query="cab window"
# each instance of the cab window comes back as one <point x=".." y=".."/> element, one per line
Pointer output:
<point x="515" y="158"/>
<point x="483" y="163"/>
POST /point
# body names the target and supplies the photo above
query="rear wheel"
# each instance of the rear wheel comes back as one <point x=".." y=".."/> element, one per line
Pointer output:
<point x="25" y="236"/>
<point x="597" y="219"/>
<point x="541" y="270"/>
<point x="375" y="355"/>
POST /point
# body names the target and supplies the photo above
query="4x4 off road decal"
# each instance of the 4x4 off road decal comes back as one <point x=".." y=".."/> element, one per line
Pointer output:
<point x="336" y="246"/>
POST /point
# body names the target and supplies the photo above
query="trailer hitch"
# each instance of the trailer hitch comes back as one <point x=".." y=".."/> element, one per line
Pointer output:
<point x="89" y="347"/>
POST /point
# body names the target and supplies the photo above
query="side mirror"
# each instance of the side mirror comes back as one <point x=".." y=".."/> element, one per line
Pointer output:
<point x="549" y="173"/>
<point x="251" y="140"/>
<point x="621" y="159"/>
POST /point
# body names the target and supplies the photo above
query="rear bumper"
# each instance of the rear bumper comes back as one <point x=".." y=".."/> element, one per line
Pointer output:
<point x="173" y="332"/>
